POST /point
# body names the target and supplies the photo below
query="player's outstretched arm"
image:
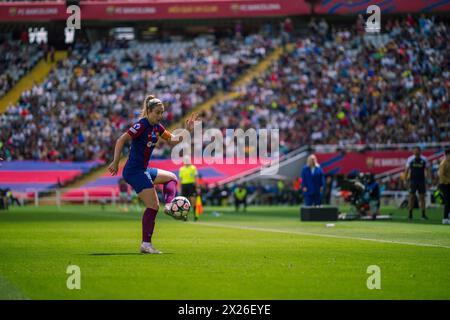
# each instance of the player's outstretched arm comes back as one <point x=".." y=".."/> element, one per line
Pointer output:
<point x="189" y="123"/>
<point x="114" y="166"/>
<point x="172" y="139"/>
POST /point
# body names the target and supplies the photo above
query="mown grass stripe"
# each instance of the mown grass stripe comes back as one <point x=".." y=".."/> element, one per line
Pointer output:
<point x="322" y="235"/>
<point x="9" y="292"/>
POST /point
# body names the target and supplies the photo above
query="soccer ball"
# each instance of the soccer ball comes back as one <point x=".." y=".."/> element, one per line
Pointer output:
<point x="180" y="207"/>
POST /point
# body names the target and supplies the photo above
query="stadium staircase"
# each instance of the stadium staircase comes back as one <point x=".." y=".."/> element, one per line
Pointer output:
<point x="36" y="76"/>
<point x="254" y="72"/>
<point x="281" y="169"/>
<point x="217" y="98"/>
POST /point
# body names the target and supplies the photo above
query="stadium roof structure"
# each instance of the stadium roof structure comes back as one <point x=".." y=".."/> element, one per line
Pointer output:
<point x="121" y="10"/>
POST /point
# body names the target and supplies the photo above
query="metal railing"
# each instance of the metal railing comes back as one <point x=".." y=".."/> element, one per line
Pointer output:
<point x="377" y="146"/>
<point x="67" y="195"/>
<point x="255" y="171"/>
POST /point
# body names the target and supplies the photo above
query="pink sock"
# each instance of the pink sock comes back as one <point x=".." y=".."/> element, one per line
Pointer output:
<point x="170" y="190"/>
<point x="148" y="224"/>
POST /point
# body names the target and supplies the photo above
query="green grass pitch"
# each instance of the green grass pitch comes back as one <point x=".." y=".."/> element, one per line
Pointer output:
<point x="266" y="253"/>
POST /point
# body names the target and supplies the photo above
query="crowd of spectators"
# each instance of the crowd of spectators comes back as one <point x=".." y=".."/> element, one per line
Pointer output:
<point x="337" y="87"/>
<point x="17" y="59"/>
<point x="91" y="97"/>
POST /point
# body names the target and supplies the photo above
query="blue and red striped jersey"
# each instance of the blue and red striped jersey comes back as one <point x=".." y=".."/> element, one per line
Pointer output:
<point x="145" y="136"/>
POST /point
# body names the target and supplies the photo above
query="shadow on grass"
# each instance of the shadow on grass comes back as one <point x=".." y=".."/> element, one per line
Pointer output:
<point x="124" y="254"/>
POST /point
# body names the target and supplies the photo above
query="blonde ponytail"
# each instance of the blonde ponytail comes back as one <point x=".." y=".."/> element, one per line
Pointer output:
<point x="145" y="106"/>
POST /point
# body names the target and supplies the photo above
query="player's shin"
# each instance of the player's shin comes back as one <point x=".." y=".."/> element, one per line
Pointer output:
<point x="169" y="190"/>
<point x="148" y="224"/>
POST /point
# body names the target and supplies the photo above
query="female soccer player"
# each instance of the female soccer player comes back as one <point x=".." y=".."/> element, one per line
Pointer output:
<point x="144" y="135"/>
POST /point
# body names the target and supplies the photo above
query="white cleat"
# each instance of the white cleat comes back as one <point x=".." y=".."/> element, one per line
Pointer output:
<point x="167" y="208"/>
<point x="149" y="249"/>
<point x="445" y="221"/>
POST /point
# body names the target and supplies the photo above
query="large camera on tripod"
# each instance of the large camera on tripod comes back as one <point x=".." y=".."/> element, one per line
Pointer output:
<point x="355" y="191"/>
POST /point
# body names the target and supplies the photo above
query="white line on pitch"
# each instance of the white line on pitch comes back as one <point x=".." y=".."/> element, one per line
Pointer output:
<point x="322" y="235"/>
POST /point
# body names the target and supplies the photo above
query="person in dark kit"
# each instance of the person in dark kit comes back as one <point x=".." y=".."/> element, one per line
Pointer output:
<point x="416" y="173"/>
<point x="373" y="188"/>
<point x="444" y="185"/>
<point x="3" y="200"/>
<point x="328" y="187"/>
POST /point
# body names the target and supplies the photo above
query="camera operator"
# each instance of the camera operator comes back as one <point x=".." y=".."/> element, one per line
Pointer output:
<point x="374" y="194"/>
<point x="365" y="194"/>
<point x="356" y="188"/>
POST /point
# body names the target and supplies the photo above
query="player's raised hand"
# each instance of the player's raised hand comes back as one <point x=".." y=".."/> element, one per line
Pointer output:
<point x="191" y="120"/>
<point x="113" y="168"/>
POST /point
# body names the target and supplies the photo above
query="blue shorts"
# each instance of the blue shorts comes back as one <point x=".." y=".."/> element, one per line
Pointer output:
<point x="140" y="180"/>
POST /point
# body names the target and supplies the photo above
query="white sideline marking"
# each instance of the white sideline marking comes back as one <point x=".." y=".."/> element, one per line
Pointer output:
<point x="322" y="235"/>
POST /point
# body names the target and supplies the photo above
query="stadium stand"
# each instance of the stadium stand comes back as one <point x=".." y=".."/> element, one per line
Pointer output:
<point x="399" y="89"/>
<point x="24" y="176"/>
<point x="16" y="60"/>
<point x="337" y="88"/>
<point x="333" y="85"/>
<point x="90" y="98"/>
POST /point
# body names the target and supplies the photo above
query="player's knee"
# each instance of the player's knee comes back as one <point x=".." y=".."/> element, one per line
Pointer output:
<point x="155" y="203"/>
<point x="154" y="206"/>
<point x="173" y="177"/>
<point x="152" y="202"/>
